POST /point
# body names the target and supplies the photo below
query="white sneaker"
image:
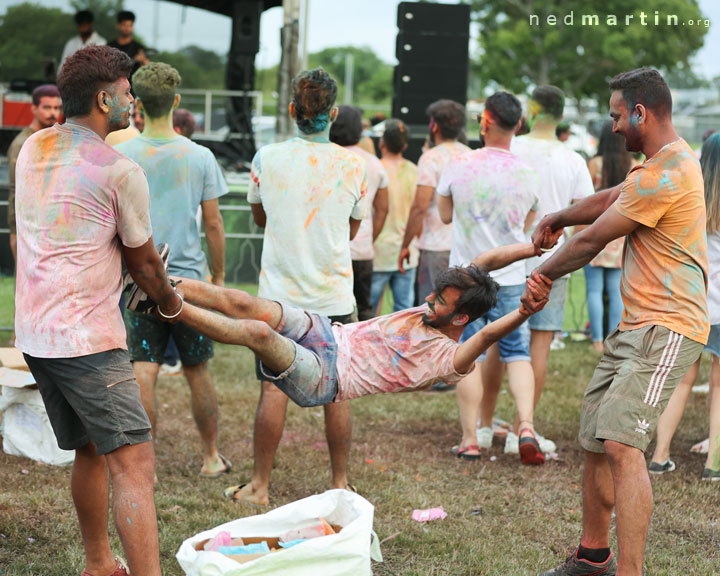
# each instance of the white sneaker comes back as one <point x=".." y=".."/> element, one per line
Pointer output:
<point x="512" y="444"/>
<point x="547" y="446"/>
<point x="171" y="369"/>
<point x="484" y="437"/>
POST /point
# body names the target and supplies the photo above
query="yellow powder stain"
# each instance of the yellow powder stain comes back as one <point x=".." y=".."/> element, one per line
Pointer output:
<point x="312" y="215"/>
<point x="313" y="160"/>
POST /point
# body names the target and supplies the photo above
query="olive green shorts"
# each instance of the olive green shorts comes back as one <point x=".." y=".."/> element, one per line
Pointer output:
<point x="631" y="385"/>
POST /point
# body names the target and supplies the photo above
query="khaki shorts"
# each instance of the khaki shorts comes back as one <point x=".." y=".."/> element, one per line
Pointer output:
<point x="631" y="385"/>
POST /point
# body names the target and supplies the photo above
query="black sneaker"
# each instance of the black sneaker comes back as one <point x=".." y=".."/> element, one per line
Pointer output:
<point x="657" y="468"/>
<point x="137" y="300"/>
<point x="575" y="566"/>
<point x="710" y="475"/>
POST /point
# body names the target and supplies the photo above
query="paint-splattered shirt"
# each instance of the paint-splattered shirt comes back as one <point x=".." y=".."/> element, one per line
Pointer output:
<point x="181" y="175"/>
<point x="392" y="353"/>
<point x="493" y="192"/>
<point x="402" y="176"/>
<point x="665" y="264"/>
<point x="78" y="200"/>
<point x="564" y="178"/>
<point x="361" y="247"/>
<point x="309" y="191"/>
<point x="436" y="236"/>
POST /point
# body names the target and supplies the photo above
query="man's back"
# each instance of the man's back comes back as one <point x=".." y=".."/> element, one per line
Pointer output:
<point x="563" y="173"/>
<point x="77" y="199"/>
<point x="492" y="191"/>
<point x="181" y="175"/>
<point x="435" y="235"/>
<point x="309" y="191"/>
<point x="361" y="247"/>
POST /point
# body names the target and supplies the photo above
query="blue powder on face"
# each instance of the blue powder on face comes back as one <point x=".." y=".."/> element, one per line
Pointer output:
<point x="314" y="125"/>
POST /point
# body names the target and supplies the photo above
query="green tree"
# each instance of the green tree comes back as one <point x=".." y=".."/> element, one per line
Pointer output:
<point x="198" y="67"/>
<point x="32" y="36"/>
<point x="516" y="52"/>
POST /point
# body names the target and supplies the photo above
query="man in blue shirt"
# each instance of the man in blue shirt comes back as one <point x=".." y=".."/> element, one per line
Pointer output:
<point x="183" y="177"/>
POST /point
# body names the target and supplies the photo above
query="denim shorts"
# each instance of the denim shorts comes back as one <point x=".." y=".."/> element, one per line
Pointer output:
<point x="92" y="398"/>
<point x="713" y="343"/>
<point x="516" y="345"/>
<point x="147" y="339"/>
<point x="551" y="317"/>
<point x="311" y="379"/>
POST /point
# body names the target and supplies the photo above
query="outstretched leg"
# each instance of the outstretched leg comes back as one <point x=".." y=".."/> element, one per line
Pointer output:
<point x="275" y="351"/>
<point x="229" y="301"/>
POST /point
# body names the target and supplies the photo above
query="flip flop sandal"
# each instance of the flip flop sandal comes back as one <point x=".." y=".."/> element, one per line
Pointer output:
<point x="530" y="452"/>
<point x="462" y="452"/>
<point x="218" y="473"/>
<point x="231" y="491"/>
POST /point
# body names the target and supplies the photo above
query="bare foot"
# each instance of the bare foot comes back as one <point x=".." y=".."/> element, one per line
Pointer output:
<point x="597" y="346"/>
<point x="247" y="493"/>
<point x="215" y="467"/>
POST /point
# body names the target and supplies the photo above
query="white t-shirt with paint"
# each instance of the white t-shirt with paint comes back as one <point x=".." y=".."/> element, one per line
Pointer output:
<point x="492" y="191"/>
<point x="713" y="252"/>
<point x="361" y="247"/>
<point x="436" y="236"/>
<point x="78" y="202"/>
<point x="564" y="177"/>
<point x="309" y="191"/>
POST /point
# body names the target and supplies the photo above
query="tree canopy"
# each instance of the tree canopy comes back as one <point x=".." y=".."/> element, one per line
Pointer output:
<point x="559" y="47"/>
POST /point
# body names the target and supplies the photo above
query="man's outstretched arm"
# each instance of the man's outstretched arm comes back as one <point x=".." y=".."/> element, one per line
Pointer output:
<point x="586" y="211"/>
<point x="469" y="350"/>
<point x="504" y="256"/>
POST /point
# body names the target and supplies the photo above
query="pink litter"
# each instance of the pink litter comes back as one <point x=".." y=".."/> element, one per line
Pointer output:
<point x="430" y="514"/>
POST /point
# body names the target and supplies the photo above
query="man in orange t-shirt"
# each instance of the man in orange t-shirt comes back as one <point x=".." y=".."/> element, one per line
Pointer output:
<point x="660" y="209"/>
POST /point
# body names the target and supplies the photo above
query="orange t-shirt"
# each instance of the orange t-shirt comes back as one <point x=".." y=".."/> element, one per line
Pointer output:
<point x="665" y="265"/>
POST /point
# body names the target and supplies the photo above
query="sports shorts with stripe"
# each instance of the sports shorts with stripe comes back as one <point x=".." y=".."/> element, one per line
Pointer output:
<point x="632" y="384"/>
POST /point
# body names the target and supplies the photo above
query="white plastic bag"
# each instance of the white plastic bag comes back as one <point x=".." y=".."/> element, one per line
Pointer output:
<point x="26" y="428"/>
<point x="346" y="553"/>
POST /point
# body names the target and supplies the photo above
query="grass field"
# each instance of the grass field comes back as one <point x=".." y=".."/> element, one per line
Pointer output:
<point x="503" y="519"/>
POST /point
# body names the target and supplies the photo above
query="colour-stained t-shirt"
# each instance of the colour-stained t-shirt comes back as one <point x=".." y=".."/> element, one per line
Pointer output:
<point x="436" y="236"/>
<point x="564" y="178"/>
<point x="77" y="200"/>
<point x="713" y="247"/>
<point x="402" y="175"/>
<point x="665" y="263"/>
<point x="493" y="192"/>
<point x="181" y="175"/>
<point x="361" y="247"/>
<point x="392" y="353"/>
<point x="309" y="191"/>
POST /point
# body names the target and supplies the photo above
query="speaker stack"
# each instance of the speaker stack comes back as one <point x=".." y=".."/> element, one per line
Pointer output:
<point x="432" y="53"/>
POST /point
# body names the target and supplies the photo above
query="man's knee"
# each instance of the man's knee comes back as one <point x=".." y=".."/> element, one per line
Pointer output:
<point x="619" y="453"/>
<point x="133" y="459"/>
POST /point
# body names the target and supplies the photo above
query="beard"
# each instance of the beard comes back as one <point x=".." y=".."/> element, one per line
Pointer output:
<point x="438" y="321"/>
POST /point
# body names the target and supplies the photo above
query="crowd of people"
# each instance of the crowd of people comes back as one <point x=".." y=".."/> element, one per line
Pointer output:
<point x="473" y="244"/>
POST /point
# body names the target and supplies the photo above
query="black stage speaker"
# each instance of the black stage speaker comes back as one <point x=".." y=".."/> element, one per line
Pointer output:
<point x="432" y="53"/>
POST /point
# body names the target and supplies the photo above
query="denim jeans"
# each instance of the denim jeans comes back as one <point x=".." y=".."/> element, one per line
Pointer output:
<point x="402" y="286"/>
<point x="597" y="281"/>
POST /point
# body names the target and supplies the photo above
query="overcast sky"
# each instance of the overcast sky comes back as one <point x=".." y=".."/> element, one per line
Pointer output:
<point x="168" y="26"/>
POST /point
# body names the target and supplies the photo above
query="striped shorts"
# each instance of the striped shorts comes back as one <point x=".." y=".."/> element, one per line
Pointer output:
<point x="632" y="384"/>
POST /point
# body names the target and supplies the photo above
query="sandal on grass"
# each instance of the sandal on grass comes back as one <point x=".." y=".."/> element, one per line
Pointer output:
<point x="462" y="452"/>
<point x="218" y="473"/>
<point x="530" y="452"/>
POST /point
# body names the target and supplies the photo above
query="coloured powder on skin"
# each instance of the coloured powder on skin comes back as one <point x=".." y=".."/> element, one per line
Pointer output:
<point x="117" y="112"/>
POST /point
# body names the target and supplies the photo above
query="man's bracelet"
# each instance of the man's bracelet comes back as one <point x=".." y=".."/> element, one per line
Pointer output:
<point x="545" y="249"/>
<point x="170" y="317"/>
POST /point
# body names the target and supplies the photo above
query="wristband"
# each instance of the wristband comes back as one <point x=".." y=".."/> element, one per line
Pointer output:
<point x="170" y="317"/>
<point x="545" y="249"/>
